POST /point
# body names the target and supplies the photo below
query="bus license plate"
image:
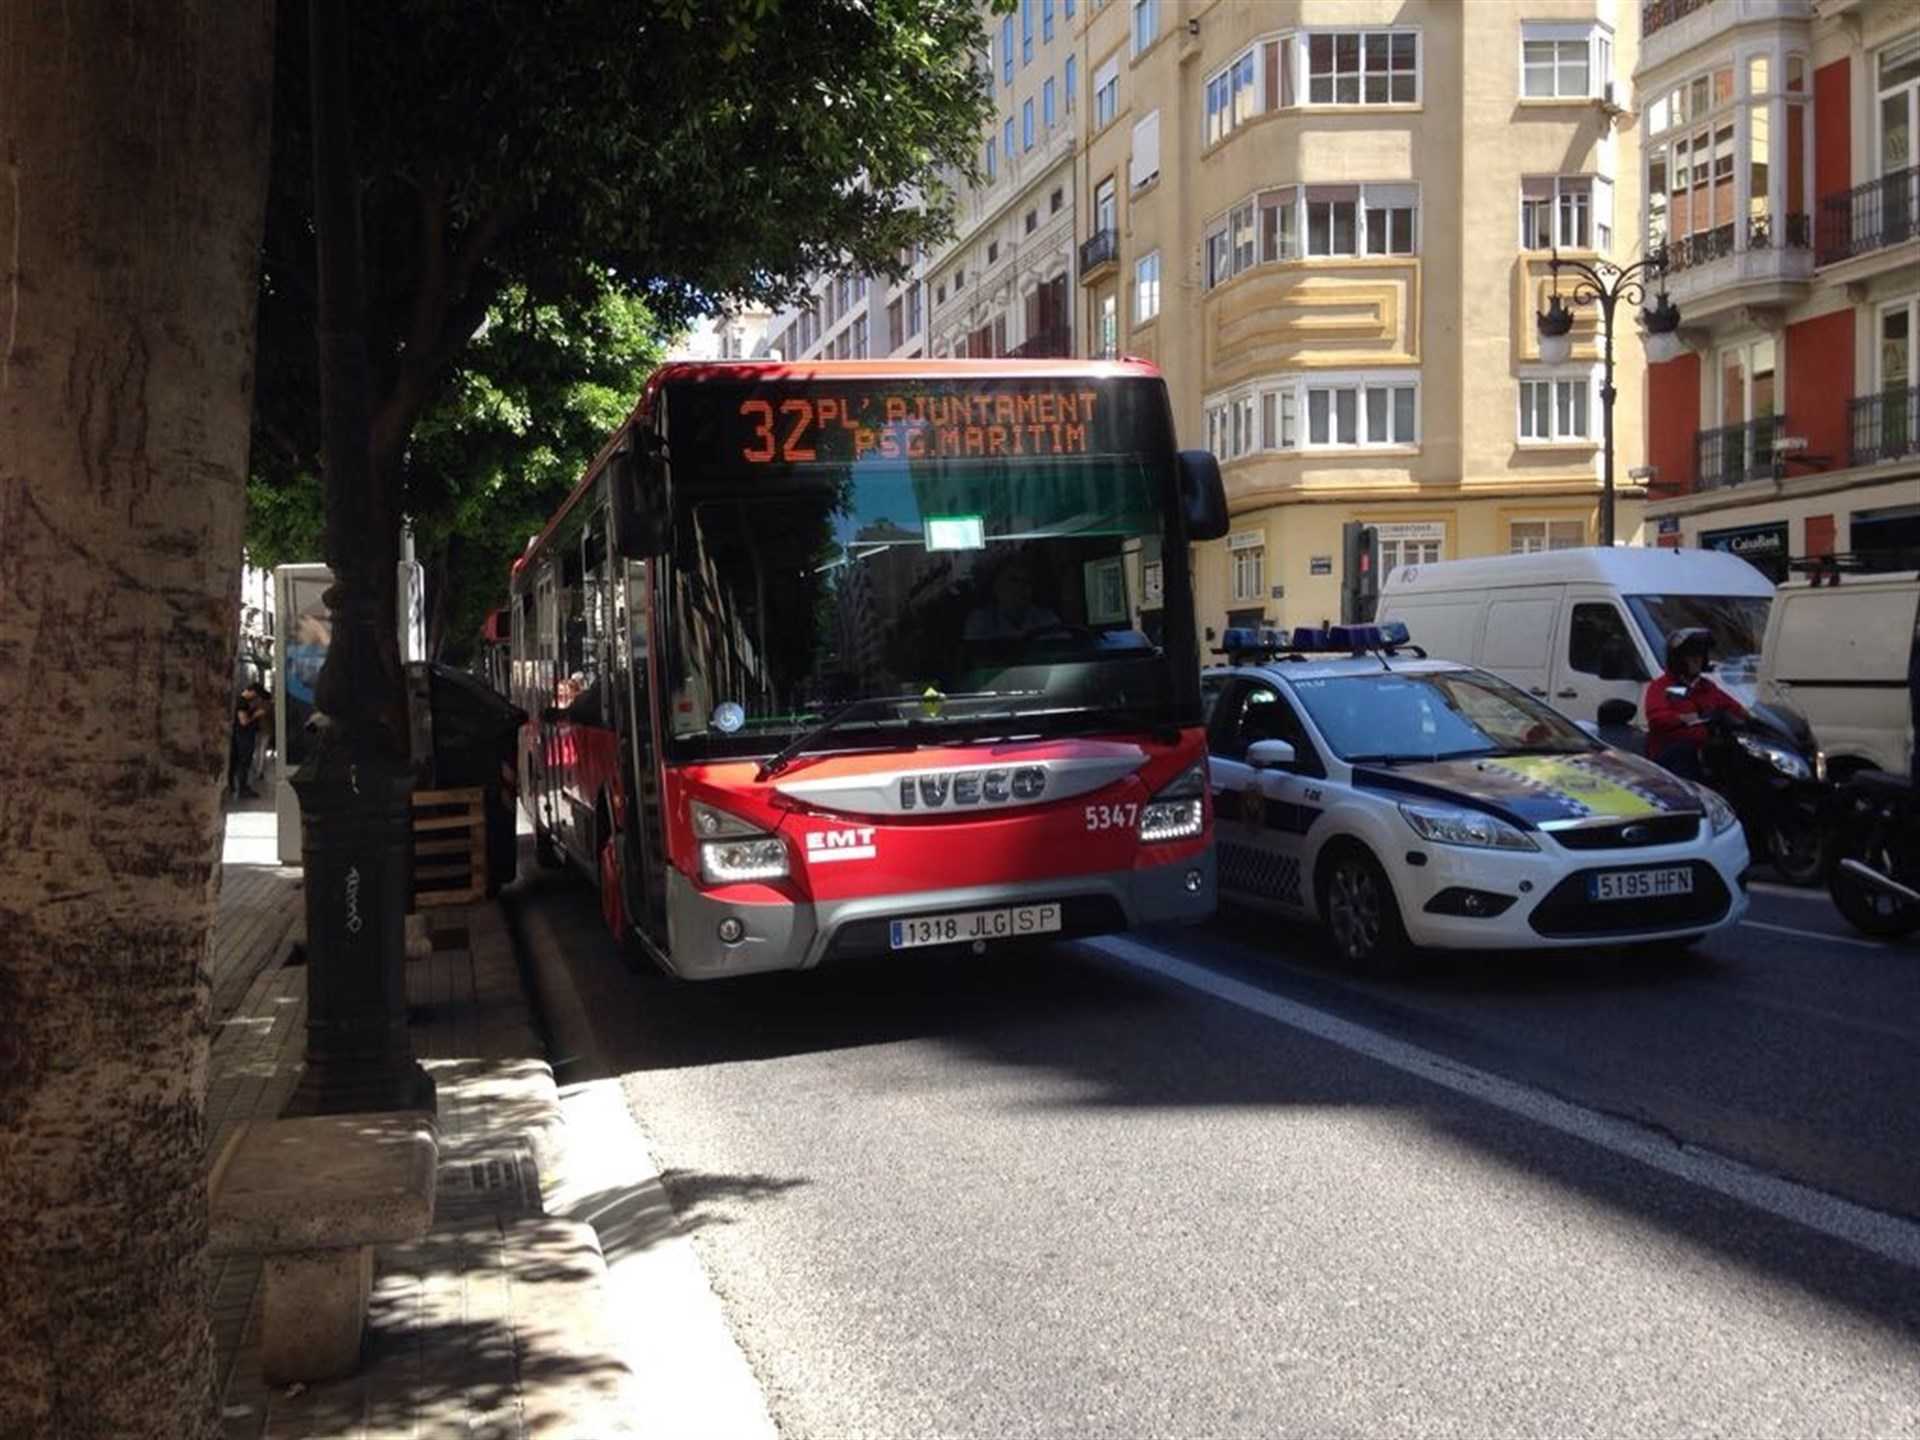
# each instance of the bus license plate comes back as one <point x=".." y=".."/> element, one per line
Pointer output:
<point x="1007" y="924"/>
<point x="1640" y="884"/>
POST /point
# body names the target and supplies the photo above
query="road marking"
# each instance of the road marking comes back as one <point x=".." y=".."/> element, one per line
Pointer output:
<point x="1786" y="892"/>
<point x="1820" y="935"/>
<point x="1886" y="1236"/>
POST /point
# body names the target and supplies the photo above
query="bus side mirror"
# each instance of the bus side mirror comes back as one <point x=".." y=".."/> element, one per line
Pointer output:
<point x="638" y="490"/>
<point x="1203" y="495"/>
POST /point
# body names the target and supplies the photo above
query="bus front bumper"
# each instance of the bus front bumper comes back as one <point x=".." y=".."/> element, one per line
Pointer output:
<point x="799" y="937"/>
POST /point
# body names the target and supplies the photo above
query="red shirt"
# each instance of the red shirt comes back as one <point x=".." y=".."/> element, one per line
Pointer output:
<point x="1670" y="721"/>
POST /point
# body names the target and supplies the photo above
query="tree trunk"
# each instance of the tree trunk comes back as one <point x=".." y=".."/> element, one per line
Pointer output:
<point x="133" y="150"/>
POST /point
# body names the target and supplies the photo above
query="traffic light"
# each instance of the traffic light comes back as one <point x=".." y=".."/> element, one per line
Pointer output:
<point x="1360" y="574"/>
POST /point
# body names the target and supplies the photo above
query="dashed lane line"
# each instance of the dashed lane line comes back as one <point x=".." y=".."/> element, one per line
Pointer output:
<point x="1886" y="1236"/>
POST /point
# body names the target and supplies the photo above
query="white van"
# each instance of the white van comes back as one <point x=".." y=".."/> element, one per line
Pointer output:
<point x="1576" y="627"/>
<point x="1841" y="654"/>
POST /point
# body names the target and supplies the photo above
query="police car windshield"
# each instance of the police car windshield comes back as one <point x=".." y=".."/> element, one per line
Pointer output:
<point x="1444" y="715"/>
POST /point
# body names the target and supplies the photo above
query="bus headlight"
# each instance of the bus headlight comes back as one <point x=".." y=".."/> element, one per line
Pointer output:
<point x="727" y="862"/>
<point x="1178" y="812"/>
<point x="733" y="850"/>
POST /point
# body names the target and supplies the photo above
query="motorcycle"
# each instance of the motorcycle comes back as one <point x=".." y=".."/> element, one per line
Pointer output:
<point x="1762" y="765"/>
<point x="1873" y="868"/>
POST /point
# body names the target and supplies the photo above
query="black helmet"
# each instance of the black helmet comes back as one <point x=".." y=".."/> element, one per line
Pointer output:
<point x="1693" y="637"/>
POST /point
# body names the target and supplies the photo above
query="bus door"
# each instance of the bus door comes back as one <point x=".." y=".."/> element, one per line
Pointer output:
<point x="542" y="789"/>
<point x="643" y="839"/>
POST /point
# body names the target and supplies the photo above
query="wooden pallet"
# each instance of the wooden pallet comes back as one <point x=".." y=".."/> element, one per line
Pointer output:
<point x="449" y="847"/>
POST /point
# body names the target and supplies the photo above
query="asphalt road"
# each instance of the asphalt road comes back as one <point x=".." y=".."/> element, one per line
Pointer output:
<point x="1204" y="1184"/>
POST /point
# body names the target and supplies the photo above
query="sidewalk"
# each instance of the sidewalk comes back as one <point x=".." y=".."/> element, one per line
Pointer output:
<point x="496" y="1324"/>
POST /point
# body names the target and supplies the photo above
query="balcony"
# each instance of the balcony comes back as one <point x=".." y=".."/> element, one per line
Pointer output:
<point x="1763" y="260"/>
<point x="1662" y="13"/>
<point x="1099" y="253"/>
<point x="1735" y="453"/>
<point x="1051" y="344"/>
<point x="1884" y="426"/>
<point x="1670" y="29"/>
<point x="1870" y="217"/>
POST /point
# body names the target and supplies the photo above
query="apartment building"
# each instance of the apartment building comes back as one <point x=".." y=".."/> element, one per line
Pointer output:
<point x="853" y="317"/>
<point x="1779" y="159"/>
<point x="1330" y="222"/>
<point x="1003" y="286"/>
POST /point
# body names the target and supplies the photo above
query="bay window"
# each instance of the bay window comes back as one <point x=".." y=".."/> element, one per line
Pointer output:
<point x="1336" y="221"/>
<point x="1729" y="160"/>
<point x="1565" y="61"/>
<point x="1362" y="412"/>
<point x="1351" y="411"/>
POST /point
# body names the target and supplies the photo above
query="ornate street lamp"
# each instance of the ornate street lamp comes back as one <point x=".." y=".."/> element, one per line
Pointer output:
<point x="1607" y="283"/>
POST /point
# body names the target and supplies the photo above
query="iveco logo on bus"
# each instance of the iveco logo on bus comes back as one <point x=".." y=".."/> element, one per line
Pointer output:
<point x="942" y="788"/>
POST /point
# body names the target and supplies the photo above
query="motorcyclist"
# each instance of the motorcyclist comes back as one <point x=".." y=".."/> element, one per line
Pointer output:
<point x="1677" y="724"/>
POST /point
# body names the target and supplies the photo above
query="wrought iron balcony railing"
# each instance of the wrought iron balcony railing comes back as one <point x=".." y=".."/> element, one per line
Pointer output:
<point x="1734" y="453"/>
<point x="1884" y="426"/>
<point x="1098" y="249"/>
<point x="1661" y="13"/>
<point x="1870" y="217"/>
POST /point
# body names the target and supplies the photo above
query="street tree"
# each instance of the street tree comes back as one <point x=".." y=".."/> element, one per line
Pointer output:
<point x="133" y="174"/>
<point x="523" y="410"/>
<point x="541" y="151"/>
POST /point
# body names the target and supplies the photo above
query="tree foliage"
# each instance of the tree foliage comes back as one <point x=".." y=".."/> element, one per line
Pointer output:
<point x="522" y="163"/>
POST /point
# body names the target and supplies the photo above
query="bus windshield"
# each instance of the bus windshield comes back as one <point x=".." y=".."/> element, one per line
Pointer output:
<point x="799" y="588"/>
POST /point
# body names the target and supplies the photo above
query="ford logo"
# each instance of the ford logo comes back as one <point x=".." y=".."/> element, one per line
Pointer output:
<point x="935" y="791"/>
<point x="1633" y="834"/>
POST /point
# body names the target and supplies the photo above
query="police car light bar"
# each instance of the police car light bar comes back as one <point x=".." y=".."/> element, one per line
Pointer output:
<point x="1313" y="640"/>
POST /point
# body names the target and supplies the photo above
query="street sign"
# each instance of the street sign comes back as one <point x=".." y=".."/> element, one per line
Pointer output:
<point x="1320" y="565"/>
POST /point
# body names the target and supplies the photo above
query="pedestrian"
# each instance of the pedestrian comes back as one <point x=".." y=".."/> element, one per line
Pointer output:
<point x="245" y="740"/>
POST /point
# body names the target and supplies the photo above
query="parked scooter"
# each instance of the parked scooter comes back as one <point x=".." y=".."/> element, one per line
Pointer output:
<point x="1763" y="766"/>
<point x="1874" y="854"/>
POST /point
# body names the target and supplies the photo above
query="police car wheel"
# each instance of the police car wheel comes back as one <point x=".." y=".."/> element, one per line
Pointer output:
<point x="1362" y="915"/>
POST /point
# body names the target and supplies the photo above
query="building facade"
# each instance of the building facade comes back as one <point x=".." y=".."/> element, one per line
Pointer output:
<point x="1003" y="286"/>
<point x="1330" y="222"/>
<point x="1780" y="166"/>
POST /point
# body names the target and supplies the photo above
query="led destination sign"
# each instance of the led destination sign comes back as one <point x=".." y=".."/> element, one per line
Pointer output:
<point x="839" y="423"/>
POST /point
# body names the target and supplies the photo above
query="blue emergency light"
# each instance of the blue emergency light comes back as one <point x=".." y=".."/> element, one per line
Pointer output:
<point x="1317" y="640"/>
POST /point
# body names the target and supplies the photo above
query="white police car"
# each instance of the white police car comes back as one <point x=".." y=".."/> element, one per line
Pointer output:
<point x="1406" y="802"/>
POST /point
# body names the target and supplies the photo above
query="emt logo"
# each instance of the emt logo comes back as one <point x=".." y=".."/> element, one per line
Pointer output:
<point x="826" y="845"/>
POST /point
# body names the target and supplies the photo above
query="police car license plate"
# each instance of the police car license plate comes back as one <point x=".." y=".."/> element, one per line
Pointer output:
<point x="1640" y="884"/>
<point x="1008" y="924"/>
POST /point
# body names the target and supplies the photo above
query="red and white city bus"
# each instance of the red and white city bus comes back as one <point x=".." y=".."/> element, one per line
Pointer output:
<point x="835" y="659"/>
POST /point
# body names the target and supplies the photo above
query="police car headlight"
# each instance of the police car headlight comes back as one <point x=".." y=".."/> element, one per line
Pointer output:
<point x="727" y="862"/>
<point x="1719" y="814"/>
<point x="1778" y="756"/>
<point x="1444" y="825"/>
<point x="1179" y="812"/>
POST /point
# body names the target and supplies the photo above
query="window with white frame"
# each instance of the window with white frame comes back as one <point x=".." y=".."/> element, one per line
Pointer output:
<point x="1145" y="164"/>
<point x="1146" y="287"/>
<point x="1556" y="407"/>
<point x="1363" y="67"/>
<point x="1565" y="61"/>
<point x="1335" y="221"/>
<point x="1360" y="412"/>
<point x="1530" y="537"/>
<point x="1417" y="542"/>
<point x="1146" y="23"/>
<point x="1728" y="159"/>
<point x="1249" y="551"/>
<point x="1106" y="93"/>
<point x="1897" y="96"/>
<point x="1573" y="212"/>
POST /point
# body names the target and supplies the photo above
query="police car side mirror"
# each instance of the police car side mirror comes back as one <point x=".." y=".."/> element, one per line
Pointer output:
<point x="1269" y="754"/>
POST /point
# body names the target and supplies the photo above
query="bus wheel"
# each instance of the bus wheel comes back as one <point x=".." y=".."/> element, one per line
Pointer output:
<point x="613" y="905"/>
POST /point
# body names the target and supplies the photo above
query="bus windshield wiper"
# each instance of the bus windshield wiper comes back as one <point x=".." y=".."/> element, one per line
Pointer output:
<point x="808" y="739"/>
